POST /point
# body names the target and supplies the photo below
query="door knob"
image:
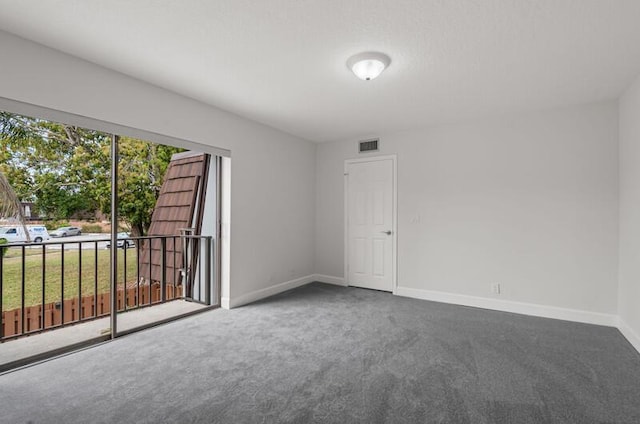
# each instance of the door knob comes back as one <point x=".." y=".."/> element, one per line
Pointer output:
<point x="388" y="232"/>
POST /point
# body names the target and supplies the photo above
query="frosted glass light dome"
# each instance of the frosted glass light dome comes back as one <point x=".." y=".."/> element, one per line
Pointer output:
<point x="368" y="65"/>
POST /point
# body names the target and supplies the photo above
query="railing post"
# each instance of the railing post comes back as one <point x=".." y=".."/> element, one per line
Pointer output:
<point x="79" y="281"/>
<point x="150" y="268"/>
<point x="44" y="281"/>
<point x="95" y="279"/>
<point x="124" y="273"/>
<point x="187" y="256"/>
<point x="175" y="274"/>
<point x="138" y="262"/>
<point x="113" y="275"/>
<point x="22" y="297"/>
<point x="2" y="251"/>
<point x="61" y="284"/>
<point x="163" y="269"/>
<point x="207" y="270"/>
<point x="185" y="274"/>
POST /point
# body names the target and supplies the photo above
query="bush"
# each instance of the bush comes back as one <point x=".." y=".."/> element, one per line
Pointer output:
<point x="3" y="250"/>
<point x="91" y="228"/>
<point x="54" y="225"/>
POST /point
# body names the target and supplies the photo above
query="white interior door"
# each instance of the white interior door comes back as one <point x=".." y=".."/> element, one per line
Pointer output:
<point x="370" y="223"/>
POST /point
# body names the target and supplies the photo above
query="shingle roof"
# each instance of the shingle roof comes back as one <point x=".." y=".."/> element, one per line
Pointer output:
<point x="179" y="206"/>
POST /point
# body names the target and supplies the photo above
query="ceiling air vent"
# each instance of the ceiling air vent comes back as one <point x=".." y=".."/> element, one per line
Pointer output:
<point x="365" y="146"/>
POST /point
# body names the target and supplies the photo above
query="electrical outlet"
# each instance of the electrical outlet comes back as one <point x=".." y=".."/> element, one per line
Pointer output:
<point x="495" y="288"/>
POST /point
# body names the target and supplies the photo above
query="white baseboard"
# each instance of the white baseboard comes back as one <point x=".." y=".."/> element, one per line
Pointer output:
<point x="338" y="281"/>
<point x="224" y="303"/>
<point x="456" y="299"/>
<point x="629" y="334"/>
<point x="266" y="292"/>
<point x="228" y="303"/>
<point x="512" y="306"/>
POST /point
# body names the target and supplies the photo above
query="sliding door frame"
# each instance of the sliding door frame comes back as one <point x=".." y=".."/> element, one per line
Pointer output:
<point x="117" y="130"/>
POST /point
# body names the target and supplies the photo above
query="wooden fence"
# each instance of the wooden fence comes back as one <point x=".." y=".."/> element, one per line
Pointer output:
<point x="80" y="309"/>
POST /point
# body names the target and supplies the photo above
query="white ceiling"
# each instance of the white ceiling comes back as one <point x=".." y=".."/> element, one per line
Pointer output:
<point x="282" y="62"/>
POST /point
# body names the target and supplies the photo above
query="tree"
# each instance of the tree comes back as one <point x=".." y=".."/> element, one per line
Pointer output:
<point x="141" y="171"/>
<point x="10" y="206"/>
<point x="66" y="169"/>
<point x="57" y="166"/>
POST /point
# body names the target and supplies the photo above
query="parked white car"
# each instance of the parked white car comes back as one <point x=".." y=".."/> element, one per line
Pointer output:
<point x="124" y="242"/>
<point x="66" y="231"/>
<point x="16" y="234"/>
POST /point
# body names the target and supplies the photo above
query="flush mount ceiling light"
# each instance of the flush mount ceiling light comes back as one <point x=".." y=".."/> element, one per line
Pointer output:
<point x="368" y="65"/>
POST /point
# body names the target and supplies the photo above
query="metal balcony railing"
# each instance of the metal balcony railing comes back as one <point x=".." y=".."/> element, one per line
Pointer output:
<point x="44" y="286"/>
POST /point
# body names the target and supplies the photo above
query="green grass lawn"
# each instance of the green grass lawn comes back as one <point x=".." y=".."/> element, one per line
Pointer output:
<point x="12" y="274"/>
<point x="14" y="252"/>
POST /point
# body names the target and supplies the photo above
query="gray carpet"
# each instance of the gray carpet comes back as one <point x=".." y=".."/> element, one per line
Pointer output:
<point x="329" y="354"/>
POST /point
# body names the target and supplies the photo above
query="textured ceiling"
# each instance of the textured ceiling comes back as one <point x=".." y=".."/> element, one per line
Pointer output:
<point x="282" y="62"/>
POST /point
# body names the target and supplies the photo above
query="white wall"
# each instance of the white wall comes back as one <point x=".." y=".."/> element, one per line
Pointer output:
<point x="629" y="252"/>
<point x="530" y="202"/>
<point x="272" y="210"/>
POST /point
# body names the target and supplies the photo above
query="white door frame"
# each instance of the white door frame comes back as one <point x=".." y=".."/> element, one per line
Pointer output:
<point x="394" y="226"/>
